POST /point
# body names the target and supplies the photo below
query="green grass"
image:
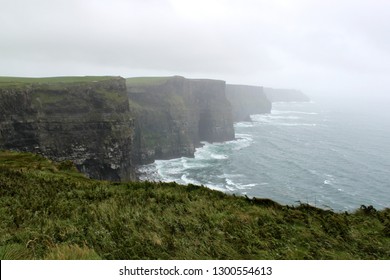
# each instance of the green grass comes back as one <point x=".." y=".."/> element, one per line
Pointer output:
<point x="64" y="79"/>
<point x="49" y="211"/>
<point x="20" y="82"/>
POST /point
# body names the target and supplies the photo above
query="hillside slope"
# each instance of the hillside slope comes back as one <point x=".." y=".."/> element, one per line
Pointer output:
<point x="50" y="211"/>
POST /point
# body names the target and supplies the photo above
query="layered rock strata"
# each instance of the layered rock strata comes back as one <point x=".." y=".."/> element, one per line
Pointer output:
<point x="85" y="120"/>
<point x="174" y="114"/>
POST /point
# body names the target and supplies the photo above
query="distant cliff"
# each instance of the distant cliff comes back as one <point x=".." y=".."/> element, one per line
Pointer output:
<point x="246" y="101"/>
<point x="173" y="114"/>
<point x="285" y="95"/>
<point x="82" y="119"/>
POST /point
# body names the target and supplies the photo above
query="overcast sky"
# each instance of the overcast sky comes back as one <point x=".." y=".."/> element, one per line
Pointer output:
<point x="328" y="46"/>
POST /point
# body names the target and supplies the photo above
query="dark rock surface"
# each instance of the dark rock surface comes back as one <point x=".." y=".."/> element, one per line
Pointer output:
<point x="174" y="114"/>
<point x="87" y="122"/>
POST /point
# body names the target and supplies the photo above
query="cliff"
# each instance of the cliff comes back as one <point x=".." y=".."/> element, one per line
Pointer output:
<point x="107" y="127"/>
<point x="82" y="119"/>
<point x="173" y="114"/>
<point x="246" y="101"/>
<point x="285" y="95"/>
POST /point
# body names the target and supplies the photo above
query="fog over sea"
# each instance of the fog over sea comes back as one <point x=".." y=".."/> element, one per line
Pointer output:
<point x="333" y="154"/>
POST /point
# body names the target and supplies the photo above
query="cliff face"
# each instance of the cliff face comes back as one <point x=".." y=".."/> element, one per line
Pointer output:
<point x="246" y="101"/>
<point x="163" y="121"/>
<point x="85" y="120"/>
<point x="285" y="95"/>
<point x="174" y="114"/>
<point x="215" y="111"/>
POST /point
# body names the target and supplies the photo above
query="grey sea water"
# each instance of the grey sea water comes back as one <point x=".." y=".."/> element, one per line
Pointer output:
<point x="330" y="154"/>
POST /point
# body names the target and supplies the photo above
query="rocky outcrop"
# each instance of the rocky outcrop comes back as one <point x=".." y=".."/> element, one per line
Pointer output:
<point x="285" y="95"/>
<point x="246" y="101"/>
<point x="85" y="120"/>
<point x="174" y="114"/>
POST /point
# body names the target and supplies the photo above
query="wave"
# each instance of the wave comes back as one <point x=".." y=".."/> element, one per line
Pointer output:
<point x="210" y="151"/>
<point x="278" y="121"/>
<point x="296" y="124"/>
<point x="187" y="180"/>
<point x="271" y="117"/>
<point x="232" y="185"/>
<point x="208" y="160"/>
<point x="243" y="124"/>
<point x="279" y="112"/>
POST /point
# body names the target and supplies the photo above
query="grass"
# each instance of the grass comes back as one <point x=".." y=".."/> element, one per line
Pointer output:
<point x="64" y="79"/>
<point x="49" y="211"/>
<point x="49" y="82"/>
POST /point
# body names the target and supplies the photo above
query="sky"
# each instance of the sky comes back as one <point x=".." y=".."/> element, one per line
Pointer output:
<point x="330" y="47"/>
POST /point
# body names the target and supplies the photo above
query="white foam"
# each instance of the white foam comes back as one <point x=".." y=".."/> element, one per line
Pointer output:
<point x="187" y="180"/>
<point x="244" y="124"/>
<point x="231" y="185"/>
<point x="278" y="112"/>
<point x="242" y="141"/>
<point x="296" y="124"/>
<point x="284" y="117"/>
<point x="208" y="151"/>
<point x="230" y="188"/>
<point x="230" y="182"/>
<point x="260" y="118"/>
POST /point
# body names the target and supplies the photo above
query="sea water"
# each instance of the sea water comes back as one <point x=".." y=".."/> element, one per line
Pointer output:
<point x="328" y="153"/>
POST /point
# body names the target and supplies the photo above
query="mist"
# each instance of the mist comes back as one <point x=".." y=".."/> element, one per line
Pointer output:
<point x="338" y="48"/>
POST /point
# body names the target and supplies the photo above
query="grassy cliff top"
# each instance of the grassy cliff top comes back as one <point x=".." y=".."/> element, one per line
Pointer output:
<point x="17" y="81"/>
<point x="49" y="211"/>
<point x="62" y="79"/>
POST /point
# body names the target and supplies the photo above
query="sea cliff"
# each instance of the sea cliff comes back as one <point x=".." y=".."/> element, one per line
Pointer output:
<point x="108" y="125"/>
<point x="246" y="101"/>
<point x="82" y="119"/>
<point x="174" y="114"/>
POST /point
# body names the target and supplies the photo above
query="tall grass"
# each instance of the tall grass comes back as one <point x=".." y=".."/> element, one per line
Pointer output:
<point x="49" y="211"/>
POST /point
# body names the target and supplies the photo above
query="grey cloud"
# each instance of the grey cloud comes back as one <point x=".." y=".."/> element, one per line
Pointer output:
<point x="313" y="45"/>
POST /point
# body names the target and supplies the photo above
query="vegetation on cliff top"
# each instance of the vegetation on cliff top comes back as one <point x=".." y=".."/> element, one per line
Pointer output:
<point x="65" y="79"/>
<point x="56" y="83"/>
<point x="50" y="211"/>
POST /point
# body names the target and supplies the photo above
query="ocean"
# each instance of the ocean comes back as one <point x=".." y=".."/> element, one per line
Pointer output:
<point x="330" y="153"/>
